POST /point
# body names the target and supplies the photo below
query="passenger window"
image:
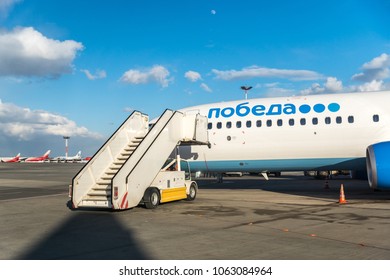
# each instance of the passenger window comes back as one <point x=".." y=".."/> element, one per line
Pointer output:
<point x="269" y="123"/>
<point x="248" y="124"/>
<point x="229" y="125"/>
<point x="303" y="121"/>
<point x="339" y="120"/>
<point x="291" y="122"/>
<point x="375" y="118"/>
<point x="327" y="120"/>
<point x="209" y="125"/>
<point x="279" y="122"/>
<point x="315" y="121"/>
<point x="219" y="125"/>
<point x="258" y="123"/>
<point x="351" y="119"/>
<point x="238" y="124"/>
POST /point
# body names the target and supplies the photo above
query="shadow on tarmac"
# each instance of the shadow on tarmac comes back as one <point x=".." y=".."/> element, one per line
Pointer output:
<point x="94" y="235"/>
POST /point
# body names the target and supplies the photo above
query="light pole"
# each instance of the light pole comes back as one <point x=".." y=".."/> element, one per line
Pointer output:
<point x="66" y="146"/>
<point x="245" y="88"/>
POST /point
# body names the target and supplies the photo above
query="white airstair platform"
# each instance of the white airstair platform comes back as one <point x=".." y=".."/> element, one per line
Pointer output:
<point x="124" y="167"/>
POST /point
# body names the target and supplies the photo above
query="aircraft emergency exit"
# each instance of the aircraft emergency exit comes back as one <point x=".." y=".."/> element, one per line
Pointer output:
<point x="349" y="131"/>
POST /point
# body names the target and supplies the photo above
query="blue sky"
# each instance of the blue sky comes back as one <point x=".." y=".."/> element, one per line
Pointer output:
<point x="79" y="68"/>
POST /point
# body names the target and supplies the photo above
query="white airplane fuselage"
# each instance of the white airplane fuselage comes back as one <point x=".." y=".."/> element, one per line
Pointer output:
<point x="77" y="157"/>
<point x="316" y="132"/>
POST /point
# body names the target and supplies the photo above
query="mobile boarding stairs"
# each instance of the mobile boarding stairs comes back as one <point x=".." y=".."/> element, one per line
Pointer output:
<point x="118" y="175"/>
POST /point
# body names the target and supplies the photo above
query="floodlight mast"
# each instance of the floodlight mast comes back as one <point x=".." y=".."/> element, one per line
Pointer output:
<point x="66" y="145"/>
<point x="246" y="89"/>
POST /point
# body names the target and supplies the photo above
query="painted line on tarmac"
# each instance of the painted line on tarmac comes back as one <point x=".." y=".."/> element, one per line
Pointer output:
<point x="32" y="197"/>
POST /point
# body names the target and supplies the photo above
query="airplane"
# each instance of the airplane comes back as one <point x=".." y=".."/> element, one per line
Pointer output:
<point x="39" y="159"/>
<point x="77" y="157"/>
<point x="346" y="131"/>
<point x="11" y="159"/>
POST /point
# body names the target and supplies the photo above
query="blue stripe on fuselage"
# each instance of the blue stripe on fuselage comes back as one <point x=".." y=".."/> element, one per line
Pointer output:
<point x="279" y="165"/>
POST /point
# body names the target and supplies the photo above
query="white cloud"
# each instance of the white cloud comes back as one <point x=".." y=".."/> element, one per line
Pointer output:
<point x="376" y="69"/>
<point x="261" y="72"/>
<point x="193" y="76"/>
<point x="205" y="87"/>
<point x="26" y="52"/>
<point x="374" y="85"/>
<point x="331" y="85"/>
<point x="99" y="74"/>
<point x="378" y="62"/>
<point x="6" y="6"/>
<point x="25" y="124"/>
<point x="314" y="89"/>
<point x="157" y="73"/>
<point x="271" y="85"/>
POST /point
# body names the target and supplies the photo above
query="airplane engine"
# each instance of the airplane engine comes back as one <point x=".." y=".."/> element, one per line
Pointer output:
<point x="378" y="165"/>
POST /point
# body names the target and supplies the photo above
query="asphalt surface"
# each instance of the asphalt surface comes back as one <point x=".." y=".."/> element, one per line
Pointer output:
<point x="286" y="218"/>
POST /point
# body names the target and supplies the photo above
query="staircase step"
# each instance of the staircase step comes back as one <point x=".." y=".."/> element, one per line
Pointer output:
<point x="101" y="188"/>
<point x="107" y="176"/>
<point x="97" y="194"/>
<point x="114" y="167"/>
<point x="133" y="145"/>
<point x="119" y="162"/>
<point x="103" y="182"/>
<point x="96" y="198"/>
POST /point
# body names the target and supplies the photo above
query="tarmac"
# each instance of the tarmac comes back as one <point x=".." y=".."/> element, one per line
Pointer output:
<point x="291" y="217"/>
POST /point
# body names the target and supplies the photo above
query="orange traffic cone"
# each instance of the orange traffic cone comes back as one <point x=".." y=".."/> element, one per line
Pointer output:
<point x="342" y="196"/>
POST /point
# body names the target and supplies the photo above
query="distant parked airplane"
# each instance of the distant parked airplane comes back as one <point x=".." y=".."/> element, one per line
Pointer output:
<point x="11" y="159"/>
<point x="39" y="159"/>
<point x="77" y="157"/>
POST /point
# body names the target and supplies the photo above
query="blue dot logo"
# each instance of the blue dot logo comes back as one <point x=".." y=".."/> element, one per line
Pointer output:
<point x="304" y="109"/>
<point x="319" y="108"/>
<point x="333" y="107"/>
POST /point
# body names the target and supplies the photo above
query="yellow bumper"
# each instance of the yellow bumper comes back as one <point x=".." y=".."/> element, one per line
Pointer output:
<point x="173" y="194"/>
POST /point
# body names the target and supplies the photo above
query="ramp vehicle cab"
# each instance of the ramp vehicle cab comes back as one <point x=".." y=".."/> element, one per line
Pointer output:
<point x="172" y="183"/>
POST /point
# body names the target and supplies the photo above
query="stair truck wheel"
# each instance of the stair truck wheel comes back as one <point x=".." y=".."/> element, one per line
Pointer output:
<point x="151" y="198"/>
<point x="192" y="192"/>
